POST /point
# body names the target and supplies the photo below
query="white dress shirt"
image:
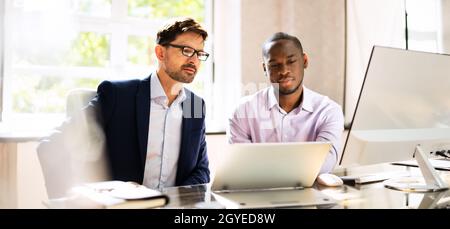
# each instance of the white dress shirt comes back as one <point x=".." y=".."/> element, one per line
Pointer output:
<point x="164" y="138"/>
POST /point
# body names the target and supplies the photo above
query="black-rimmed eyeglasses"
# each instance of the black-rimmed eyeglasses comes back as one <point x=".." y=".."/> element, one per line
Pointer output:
<point x="189" y="52"/>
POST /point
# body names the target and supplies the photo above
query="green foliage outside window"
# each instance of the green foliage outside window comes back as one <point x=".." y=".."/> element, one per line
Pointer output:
<point x="89" y="49"/>
<point x="47" y="93"/>
<point x="95" y="7"/>
<point x="141" y="50"/>
<point x="167" y="9"/>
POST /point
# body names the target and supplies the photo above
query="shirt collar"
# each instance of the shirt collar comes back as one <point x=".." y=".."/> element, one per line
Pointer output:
<point x="156" y="87"/>
<point x="181" y="96"/>
<point x="157" y="90"/>
<point x="272" y="100"/>
<point x="307" y="103"/>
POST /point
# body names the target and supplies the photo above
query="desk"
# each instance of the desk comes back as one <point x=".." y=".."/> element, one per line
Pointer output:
<point x="373" y="195"/>
<point x="8" y="164"/>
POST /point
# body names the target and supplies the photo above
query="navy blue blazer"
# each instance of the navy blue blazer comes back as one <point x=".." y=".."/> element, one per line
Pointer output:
<point x="125" y="114"/>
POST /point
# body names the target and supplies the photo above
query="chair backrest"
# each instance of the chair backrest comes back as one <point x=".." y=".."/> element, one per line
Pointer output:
<point x="77" y="99"/>
<point x="74" y="153"/>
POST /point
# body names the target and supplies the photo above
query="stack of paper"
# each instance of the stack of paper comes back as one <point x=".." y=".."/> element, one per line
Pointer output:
<point x="111" y="195"/>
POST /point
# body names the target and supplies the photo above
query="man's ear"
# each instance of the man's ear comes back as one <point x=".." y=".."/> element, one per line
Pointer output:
<point x="160" y="52"/>
<point x="305" y="60"/>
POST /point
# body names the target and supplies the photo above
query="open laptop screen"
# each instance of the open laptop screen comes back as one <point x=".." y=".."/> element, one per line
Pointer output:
<point x="270" y="165"/>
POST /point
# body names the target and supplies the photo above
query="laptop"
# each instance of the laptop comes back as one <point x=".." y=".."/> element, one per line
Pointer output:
<point x="264" y="175"/>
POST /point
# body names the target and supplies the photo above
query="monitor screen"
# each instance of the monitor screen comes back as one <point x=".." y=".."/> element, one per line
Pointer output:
<point x="404" y="101"/>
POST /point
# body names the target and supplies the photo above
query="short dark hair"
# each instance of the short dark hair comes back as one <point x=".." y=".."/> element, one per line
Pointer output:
<point x="281" y="36"/>
<point x="176" y="27"/>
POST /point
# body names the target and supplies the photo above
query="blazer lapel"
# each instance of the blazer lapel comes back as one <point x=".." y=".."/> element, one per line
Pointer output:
<point x="185" y="136"/>
<point x="143" y="117"/>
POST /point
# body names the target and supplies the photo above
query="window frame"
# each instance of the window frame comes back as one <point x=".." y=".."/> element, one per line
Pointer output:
<point x="119" y="26"/>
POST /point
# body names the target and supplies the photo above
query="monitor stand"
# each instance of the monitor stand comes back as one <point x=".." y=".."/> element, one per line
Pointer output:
<point x="433" y="200"/>
<point x="433" y="181"/>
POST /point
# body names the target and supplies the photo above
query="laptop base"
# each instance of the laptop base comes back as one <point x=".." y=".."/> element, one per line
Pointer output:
<point x="304" y="198"/>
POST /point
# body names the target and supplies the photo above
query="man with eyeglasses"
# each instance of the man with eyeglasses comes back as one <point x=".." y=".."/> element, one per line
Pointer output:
<point x="287" y="111"/>
<point x="155" y="128"/>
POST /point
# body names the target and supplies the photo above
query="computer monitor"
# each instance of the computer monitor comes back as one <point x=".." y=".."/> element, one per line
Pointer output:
<point x="403" y="110"/>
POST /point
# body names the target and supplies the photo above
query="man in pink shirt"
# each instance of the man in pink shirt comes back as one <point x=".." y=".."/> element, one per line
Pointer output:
<point x="287" y="111"/>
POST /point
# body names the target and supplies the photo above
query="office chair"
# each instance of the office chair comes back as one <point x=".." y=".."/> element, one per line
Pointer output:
<point x="75" y="152"/>
<point x="77" y="99"/>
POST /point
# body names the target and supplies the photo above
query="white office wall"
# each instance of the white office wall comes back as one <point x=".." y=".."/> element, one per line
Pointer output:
<point x="242" y="26"/>
<point x="320" y="26"/>
<point x="445" y="26"/>
<point x="260" y="19"/>
<point x="30" y="183"/>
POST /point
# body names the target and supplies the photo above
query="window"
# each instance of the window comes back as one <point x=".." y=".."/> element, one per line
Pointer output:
<point x="54" y="46"/>
<point x="423" y="25"/>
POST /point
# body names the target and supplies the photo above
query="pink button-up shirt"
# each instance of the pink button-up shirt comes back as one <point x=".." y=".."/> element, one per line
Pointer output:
<point x="259" y="118"/>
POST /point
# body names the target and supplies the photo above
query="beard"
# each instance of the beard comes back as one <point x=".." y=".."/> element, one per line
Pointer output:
<point x="182" y="76"/>
<point x="288" y="91"/>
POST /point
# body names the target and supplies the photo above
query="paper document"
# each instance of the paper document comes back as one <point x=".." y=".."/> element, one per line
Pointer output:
<point x="111" y="195"/>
